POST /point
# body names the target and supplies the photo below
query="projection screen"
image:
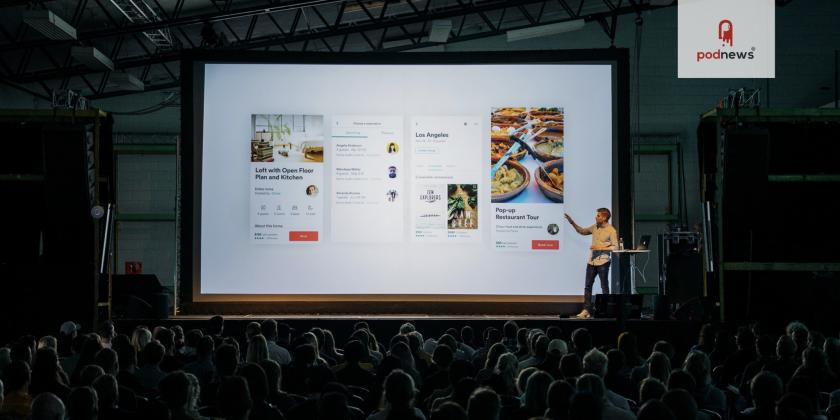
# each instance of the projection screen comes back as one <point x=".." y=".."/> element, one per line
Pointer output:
<point x="399" y="177"/>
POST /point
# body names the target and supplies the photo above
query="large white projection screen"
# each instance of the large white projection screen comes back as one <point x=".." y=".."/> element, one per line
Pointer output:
<point x="375" y="179"/>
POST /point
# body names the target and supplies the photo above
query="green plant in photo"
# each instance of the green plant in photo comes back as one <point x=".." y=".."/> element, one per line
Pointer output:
<point x="473" y="201"/>
<point x="280" y="132"/>
<point x="472" y="193"/>
<point x="454" y="204"/>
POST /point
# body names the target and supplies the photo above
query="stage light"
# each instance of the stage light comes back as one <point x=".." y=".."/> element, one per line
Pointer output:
<point x="545" y="30"/>
<point x="92" y="58"/>
<point x="49" y="25"/>
<point x="440" y="30"/>
<point x="127" y="81"/>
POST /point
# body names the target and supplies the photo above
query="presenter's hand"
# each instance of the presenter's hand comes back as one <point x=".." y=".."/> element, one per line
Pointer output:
<point x="569" y="218"/>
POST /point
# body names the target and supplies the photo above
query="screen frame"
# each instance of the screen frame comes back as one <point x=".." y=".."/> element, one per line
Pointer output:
<point x="189" y="215"/>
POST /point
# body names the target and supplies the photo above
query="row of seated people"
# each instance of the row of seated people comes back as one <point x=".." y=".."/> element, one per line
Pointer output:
<point x="514" y="373"/>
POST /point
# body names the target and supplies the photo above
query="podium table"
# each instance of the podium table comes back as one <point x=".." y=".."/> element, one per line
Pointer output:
<point x="630" y="253"/>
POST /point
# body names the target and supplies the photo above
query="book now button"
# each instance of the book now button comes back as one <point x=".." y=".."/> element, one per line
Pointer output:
<point x="303" y="236"/>
<point x="545" y="244"/>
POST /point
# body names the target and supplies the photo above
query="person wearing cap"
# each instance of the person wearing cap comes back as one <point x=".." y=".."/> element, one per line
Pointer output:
<point x="557" y="348"/>
<point x="70" y="329"/>
<point x="66" y="334"/>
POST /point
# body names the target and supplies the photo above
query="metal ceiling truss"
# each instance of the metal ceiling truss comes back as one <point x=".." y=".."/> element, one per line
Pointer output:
<point x="148" y="45"/>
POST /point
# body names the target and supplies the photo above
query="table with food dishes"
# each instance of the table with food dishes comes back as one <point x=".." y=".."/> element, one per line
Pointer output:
<point x="533" y="171"/>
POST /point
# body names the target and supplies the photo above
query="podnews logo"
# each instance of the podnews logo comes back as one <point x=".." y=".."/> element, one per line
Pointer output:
<point x="725" y="34"/>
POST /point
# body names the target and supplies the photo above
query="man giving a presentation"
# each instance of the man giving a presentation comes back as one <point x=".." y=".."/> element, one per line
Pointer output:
<point x="604" y="240"/>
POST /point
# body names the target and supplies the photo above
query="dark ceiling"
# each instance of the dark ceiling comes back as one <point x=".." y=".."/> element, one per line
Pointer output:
<point x="147" y="38"/>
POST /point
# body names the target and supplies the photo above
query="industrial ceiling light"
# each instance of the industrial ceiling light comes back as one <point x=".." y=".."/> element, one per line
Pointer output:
<point x="396" y="43"/>
<point x="137" y="12"/>
<point x="545" y="30"/>
<point x="126" y="81"/>
<point x="440" y="30"/>
<point x="49" y="25"/>
<point x="92" y="58"/>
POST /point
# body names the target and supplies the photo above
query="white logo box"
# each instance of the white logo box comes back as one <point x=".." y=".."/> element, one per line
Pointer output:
<point x="726" y="39"/>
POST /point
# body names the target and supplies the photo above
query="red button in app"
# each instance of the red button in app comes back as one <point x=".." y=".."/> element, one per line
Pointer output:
<point x="545" y="244"/>
<point x="303" y="236"/>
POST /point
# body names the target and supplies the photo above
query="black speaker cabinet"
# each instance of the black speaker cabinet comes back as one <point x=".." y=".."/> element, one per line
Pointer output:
<point x="661" y="307"/>
<point x="139" y="297"/>
<point x="618" y="306"/>
<point x="685" y="277"/>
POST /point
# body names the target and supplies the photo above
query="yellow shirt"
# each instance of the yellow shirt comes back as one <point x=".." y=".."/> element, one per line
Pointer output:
<point x="17" y="404"/>
<point x="601" y="237"/>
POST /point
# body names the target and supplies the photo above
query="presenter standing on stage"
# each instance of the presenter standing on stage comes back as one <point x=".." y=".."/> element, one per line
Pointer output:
<point x="604" y="240"/>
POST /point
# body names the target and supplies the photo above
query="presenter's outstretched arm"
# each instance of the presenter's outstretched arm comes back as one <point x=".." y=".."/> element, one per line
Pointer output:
<point x="579" y="229"/>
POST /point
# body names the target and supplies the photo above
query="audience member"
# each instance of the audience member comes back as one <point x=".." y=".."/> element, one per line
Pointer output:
<point x="571" y="367"/>
<point x="216" y="325"/>
<point x="48" y="341"/>
<point x="651" y="389"/>
<point x="815" y="366"/>
<point x="449" y="411"/>
<point x="534" y="399"/>
<point x="275" y="395"/>
<point x="707" y="396"/>
<point x="47" y="375"/>
<point x="798" y="332"/>
<point x="786" y="361"/>
<point x="765" y="347"/>
<point x="765" y="389"/>
<point x="257" y="349"/>
<point x="484" y="404"/>
<point x="108" y="394"/>
<point x="517" y="373"/>
<point x="17" y="400"/>
<point x="170" y="361"/>
<point x="558" y="399"/>
<point x="595" y="363"/>
<point x="398" y="398"/>
<point x="628" y="345"/>
<point x="706" y="339"/>
<point x="82" y="404"/>
<point x="89" y="374"/>
<point x="234" y="398"/>
<point x="585" y="406"/>
<point x="150" y="373"/>
<point x="581" y="342"/>
<point x="202" y="366"/>
<point x="681" y="403"/>
<point x="258" y="386"/>
<point x="47" y="406"/>
<point x="594" y="385"/>
<point x="655" y="410"/>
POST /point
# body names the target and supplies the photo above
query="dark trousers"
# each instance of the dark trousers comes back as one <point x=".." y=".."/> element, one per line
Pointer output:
<point x="602" y="271"/>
